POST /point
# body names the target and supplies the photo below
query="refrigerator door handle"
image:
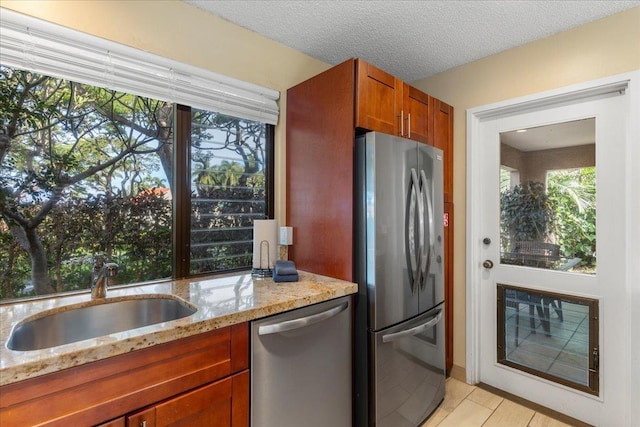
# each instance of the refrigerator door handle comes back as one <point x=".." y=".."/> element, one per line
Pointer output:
<point x="413" y="331"/>
<point x="421" y="229"/>
<point x="425" y="190"/>
<point x="290" y="325"/>
<point x="410" y="231"/>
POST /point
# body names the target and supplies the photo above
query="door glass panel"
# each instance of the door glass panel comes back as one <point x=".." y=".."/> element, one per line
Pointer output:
<point x="548" y="197"/>
<point x="551" y="335"/>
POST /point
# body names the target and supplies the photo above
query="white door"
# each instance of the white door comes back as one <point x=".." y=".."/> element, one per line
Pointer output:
<point x="561" y="321"/>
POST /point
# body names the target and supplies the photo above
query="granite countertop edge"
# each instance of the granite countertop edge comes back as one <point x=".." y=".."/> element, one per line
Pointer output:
<point x="221" y="301"/>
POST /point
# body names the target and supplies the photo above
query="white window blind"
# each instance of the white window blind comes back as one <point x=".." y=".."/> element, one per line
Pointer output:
<point x="39" y="46"/>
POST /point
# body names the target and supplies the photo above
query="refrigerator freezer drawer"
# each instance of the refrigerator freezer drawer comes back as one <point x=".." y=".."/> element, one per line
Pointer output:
<point x="301" y="367"/>
<point x="408" y="370"/>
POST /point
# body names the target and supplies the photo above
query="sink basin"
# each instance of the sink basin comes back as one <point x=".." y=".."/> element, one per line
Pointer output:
<point x="55" y="328"/>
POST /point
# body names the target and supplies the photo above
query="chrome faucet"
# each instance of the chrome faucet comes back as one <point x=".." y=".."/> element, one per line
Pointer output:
<point x="102" y="271"/>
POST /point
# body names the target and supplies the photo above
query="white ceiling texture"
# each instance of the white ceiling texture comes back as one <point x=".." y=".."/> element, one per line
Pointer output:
<point x="410" y="39"/>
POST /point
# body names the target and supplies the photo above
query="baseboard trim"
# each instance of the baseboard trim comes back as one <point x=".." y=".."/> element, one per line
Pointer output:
<point x="458" y="373"/>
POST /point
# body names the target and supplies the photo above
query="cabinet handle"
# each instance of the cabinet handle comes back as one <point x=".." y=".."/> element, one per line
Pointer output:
<point x="401" y="122"/>
<point x="409" y="125"/>
<point x="143" y="424"/>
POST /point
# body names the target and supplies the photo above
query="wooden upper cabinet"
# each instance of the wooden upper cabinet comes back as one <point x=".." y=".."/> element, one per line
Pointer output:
<point x="443" y="139"/>
<point x="378" y="99"/>
<point x="386" y="104"/>
<point x="417" y="116"/>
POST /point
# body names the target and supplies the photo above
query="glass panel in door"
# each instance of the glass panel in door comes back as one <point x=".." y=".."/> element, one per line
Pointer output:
<point x="547" y="197"/>
<point x="551" y="335"/>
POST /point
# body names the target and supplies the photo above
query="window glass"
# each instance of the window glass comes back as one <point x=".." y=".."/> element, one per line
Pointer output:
<point x="228" y="163"/>
<point x="548" y="197"/>
<point x="83" y="172"/>
<point x="87" y="172"/>
<point x="550" y="335"/>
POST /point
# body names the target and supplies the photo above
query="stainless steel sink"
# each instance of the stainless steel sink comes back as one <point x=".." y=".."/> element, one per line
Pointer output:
<point x="47" y="330"/>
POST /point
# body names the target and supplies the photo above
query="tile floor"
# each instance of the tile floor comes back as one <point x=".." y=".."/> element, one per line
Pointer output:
<point x="465" y="405"/>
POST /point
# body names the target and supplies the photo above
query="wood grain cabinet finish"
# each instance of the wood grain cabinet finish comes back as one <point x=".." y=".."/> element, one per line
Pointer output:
<point x="119" y="422"/>
<point x="386" y="104"/>
<point x="378" y="99"/>
<point x="220" y="404"/>
<point x="417" y="115"/>
<point x="443" y="139"/>
<point x="319" y="171"/>
<point x="213" y="363"/>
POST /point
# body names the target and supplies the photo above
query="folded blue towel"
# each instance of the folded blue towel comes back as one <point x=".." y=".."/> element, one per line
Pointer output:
<point x="284" y="268"/>
<point x="285" y="271"/>
<point x="286" y="278"/>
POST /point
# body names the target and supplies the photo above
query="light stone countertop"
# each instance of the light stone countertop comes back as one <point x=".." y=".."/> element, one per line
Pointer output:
<point x="221" y="301"/>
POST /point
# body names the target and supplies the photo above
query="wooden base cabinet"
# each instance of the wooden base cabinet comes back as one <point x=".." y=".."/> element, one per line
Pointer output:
<point x="199" y="380"/>
<point x="221" y="404"/>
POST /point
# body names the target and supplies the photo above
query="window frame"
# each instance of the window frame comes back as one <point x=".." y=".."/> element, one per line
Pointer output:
<point x="181" y="203"/>
<point x="47" y="48"/>
<point x="593" y="353"/>
<point x="182" y="197"/>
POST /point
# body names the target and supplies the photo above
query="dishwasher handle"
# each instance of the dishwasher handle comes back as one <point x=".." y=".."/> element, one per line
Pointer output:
<point x="413" y="331"/>
<point x="290" y="325"/>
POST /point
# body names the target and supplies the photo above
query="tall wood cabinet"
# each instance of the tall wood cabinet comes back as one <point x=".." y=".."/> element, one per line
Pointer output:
<point x="324" y="114"/>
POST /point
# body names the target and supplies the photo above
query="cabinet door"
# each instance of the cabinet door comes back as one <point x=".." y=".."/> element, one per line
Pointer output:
<point x="443" y="139"/>
<point x="224" y="403"/>
<point x="417" y="114"/>
<point x="378" y="100"/>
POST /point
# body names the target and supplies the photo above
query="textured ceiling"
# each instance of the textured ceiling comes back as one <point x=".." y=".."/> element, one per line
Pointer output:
<point x="410" y="39"/>
<point x="559" y="135"/>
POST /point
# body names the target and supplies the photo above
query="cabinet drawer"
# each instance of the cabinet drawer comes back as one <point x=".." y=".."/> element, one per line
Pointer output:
<point x="224" y="403"/>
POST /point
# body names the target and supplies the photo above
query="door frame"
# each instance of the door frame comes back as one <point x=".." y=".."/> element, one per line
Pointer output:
<point x="630" y="84"/>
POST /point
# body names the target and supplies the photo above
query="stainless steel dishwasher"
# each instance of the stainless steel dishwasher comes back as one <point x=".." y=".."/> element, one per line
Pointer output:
<point x="301" y="367"/>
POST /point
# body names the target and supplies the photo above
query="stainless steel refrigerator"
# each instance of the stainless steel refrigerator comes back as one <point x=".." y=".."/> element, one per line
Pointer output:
<point x="399" y="325"/>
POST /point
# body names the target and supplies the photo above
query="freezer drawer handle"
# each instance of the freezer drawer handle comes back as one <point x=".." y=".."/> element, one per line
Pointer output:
<point x="412" y="331"/>
<point x="290" y="325"/>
